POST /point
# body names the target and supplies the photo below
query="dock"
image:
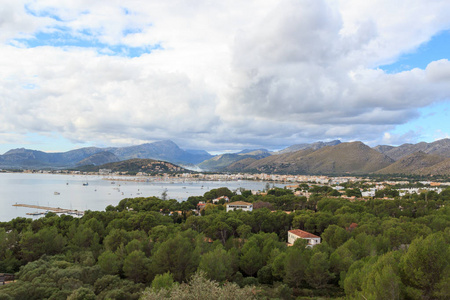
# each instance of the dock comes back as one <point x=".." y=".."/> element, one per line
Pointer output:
<point x="57" y="210"/>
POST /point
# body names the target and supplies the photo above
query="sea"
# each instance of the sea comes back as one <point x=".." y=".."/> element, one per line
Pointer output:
<point x="80" y="192"/>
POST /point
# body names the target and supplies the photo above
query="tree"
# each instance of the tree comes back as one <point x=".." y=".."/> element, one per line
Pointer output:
<point x="426" y="263"/>
<point x="217" y="265"/>
<point x="353" y="193"/>
<point x="178" y="256"/>
<point x="296" y="263"/>
<point x="135" y="266"/>
<point x="82" y="294"/>
<point x="251" y="260"/>
<point x="115" y="238"/>
<point x="109" y="262"/>
<point x="335" y="236"/>
<point x="201" y="288"/>
<point x="45" y="241"/>
<point x="317" y="273"/>
<point x="162" y="281"/>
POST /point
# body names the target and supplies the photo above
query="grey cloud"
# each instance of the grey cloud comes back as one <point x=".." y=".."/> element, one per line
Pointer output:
<point x="237" y="75"/>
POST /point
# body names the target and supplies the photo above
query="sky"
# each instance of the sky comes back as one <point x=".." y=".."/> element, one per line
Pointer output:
<point x="222" y="75"/>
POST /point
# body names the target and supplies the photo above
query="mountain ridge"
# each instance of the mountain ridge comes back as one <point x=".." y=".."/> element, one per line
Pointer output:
<point x="161" y="150"/>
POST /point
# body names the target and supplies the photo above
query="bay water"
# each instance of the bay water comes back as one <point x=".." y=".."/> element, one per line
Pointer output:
<point x="79" y="192"/>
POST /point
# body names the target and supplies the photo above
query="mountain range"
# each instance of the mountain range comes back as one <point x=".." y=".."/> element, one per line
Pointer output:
<point x="336" y="158"/>
<point x="161" y="150"/>
<point x="332" y="158"/>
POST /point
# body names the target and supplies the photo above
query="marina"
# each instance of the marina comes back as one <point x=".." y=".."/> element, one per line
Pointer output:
<point x="57" y="210"/>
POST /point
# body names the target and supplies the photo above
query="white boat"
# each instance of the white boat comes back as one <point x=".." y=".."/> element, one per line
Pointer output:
<point x="56" y="193"/>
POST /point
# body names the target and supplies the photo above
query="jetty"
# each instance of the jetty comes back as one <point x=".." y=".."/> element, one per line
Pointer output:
<point x="57" y="210"/>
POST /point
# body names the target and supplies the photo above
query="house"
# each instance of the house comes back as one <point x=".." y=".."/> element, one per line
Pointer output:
<point x="351" y="227"/>
<point x="225" y="198"/>
<point x="201" y="205"/>
<point x="295" y="234"/>
<point x="239" y="205"/>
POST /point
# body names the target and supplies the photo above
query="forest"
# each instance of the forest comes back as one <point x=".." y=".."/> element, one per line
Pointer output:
<point x="149" y="248"/>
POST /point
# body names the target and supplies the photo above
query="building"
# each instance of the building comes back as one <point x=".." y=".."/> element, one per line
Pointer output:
<point x="295" y="234"/>
<point x="217" y="200"/>
<point x="239" y="205"/>
<point x="201" y="205"/>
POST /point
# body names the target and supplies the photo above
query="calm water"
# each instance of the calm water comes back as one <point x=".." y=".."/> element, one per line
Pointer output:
<point x="39" y="189"/>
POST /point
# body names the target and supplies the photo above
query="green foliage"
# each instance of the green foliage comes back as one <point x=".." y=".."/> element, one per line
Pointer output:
<point x="178" y="256"/>
<point x="200" y="288"/>
<point x="335" y="236"/>
<point x="162" y="281"/>
<point x="136" y="265"/>
<point x="109" y="263"/>
<point x="217" y="265"/>
<point x="82" y="294"/>
<point x="216" y="193"/>
<point x="399" y="249"/>
<point x="427" y="263"/>
<point x="317" y="273"/>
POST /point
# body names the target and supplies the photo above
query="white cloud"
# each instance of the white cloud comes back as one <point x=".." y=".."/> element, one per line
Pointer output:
<point x="229" y="75"/>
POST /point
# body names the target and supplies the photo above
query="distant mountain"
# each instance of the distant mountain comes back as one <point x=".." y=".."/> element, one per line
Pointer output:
<point x="135" y="165"/>
<point x="25" y="158"/>
<point x="412" y="164"/>
<point x="343" y="158"/>
<point x="163" y="150"/>
<point x="99" y="158"/>
<point x="221" y="162"/>
<point x="440" y="147"/>
<point x="314" y="146"/>
<point x="253" y="151"/>
<point x="383" y="148"/>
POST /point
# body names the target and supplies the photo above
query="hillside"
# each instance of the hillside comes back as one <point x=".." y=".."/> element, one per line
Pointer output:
<point x="412" y="164"/>
<point x="441" y="168"/>
<point x="99" y="158"/>
<point x="353" y="158"/>
<point x="223" y="161"/>
<point x="133" y="166"/>
<point x="313" y="146"/>
<point x="440" y="147"/>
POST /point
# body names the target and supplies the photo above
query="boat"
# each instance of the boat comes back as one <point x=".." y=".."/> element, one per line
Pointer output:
<point x="56" y="193"/>
<point x="85" y="184"/>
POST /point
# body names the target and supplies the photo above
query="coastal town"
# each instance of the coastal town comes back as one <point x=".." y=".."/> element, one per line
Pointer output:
<point x="368" y="186"/>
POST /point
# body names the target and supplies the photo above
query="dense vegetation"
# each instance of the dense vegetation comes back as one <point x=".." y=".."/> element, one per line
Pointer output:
<point x="156" y="249"/>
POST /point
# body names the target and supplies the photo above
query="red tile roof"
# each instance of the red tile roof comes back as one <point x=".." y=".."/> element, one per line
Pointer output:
<point x="353" y="226"/>
<point x="303" y="234"/>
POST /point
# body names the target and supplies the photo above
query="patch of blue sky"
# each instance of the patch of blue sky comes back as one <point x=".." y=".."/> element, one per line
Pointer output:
<point x="29" y="86"/>
<point x="131" y="31"/>
<point x="41" y="13"/>
<point x="435" y="49"/>
<point x="431" y="125"/>
<point x="64" y="37"/>
<point x="51" y="142"/>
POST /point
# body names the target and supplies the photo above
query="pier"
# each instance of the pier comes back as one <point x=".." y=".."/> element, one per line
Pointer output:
<point x="57" y="210"/>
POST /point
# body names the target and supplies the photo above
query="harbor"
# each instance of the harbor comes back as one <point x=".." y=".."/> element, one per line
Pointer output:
<point x="57" y="210"/>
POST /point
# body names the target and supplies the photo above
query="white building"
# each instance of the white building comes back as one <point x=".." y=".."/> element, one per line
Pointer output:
<point x="239" y="205"/>
<point x="295" y="234"/>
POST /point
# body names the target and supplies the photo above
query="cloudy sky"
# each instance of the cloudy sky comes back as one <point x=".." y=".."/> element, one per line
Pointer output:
<point x="222" y="75"/>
